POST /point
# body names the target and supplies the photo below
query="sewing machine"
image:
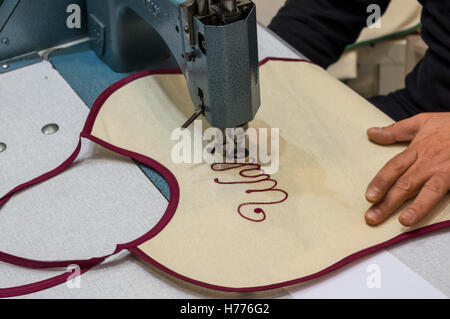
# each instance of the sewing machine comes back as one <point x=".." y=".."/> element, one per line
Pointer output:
<point x="213" y="42"/>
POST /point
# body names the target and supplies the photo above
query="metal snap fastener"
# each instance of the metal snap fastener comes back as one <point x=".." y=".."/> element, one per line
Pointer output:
<point x="50" y="129"/>
<point x="2" y="147"/>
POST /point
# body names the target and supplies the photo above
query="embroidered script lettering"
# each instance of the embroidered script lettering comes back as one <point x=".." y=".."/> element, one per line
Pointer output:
<point x="245" y="171"/>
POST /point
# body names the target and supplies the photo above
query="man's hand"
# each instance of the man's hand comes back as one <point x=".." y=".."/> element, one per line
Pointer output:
<point x="421" y="171"/>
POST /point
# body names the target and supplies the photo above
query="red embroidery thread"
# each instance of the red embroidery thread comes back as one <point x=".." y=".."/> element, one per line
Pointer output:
<point x="261" y="178"/>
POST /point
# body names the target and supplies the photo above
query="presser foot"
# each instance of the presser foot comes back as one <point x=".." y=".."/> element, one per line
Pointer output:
<point x="234" y="144"/>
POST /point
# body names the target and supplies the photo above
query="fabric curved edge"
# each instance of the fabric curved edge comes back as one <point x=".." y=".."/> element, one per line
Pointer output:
<point x="343" y="262"/>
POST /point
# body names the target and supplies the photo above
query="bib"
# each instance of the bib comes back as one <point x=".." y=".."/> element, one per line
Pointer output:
<point x="235" y="227"/>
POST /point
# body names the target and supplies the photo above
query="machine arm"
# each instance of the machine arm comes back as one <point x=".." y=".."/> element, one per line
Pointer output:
<point x="213" y="41"/>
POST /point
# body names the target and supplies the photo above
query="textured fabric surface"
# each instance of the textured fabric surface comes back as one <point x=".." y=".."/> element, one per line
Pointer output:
<point x="429" y="257"/>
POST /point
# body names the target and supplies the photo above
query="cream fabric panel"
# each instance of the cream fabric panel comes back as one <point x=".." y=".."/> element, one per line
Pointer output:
<point x="326" y="162"/>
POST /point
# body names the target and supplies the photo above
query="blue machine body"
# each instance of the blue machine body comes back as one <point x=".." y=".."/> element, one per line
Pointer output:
<point x="214" y="43"/>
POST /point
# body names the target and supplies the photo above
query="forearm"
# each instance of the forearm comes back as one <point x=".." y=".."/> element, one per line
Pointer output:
<point x="321" y="29"/>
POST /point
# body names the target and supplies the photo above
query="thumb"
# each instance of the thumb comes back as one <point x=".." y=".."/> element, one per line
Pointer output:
<point x="403" y="131"/>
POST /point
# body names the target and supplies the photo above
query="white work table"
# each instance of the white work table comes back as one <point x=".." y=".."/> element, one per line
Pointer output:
<point x="46" y="222"/>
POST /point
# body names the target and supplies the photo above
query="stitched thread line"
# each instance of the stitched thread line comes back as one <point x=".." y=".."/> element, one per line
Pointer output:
<point x="245" y="169"/>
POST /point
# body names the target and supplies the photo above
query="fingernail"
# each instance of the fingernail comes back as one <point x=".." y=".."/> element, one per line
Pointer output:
<point x="374" y="215"/>
<point x="409" y="215"/>
<point x="376" y="129"/>
<point x="372" y="194"/>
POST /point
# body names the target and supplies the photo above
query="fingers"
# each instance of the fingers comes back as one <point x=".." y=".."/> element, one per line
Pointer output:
<point x="389" y="174"/>
<point x="405" y="188"/>
<point x="403" y="131"/>
<point x="430" y="195"/>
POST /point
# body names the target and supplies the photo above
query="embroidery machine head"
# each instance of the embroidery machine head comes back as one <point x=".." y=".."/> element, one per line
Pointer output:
<point x="214" y="42"/>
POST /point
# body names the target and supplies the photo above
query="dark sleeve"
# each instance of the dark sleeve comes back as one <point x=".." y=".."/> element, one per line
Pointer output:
<point x="429" y="83"/>
<point x="322" y="29"/>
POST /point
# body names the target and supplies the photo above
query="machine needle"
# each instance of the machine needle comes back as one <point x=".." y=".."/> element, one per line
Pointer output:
<point x="192" y="118"/>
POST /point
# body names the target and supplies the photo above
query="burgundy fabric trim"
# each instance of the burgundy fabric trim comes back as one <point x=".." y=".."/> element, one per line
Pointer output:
<point x="174" y="188"/>
<point x="334" y="267"/>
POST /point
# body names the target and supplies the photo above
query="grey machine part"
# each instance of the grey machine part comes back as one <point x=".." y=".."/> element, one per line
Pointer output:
<point x="213" y="41"/>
